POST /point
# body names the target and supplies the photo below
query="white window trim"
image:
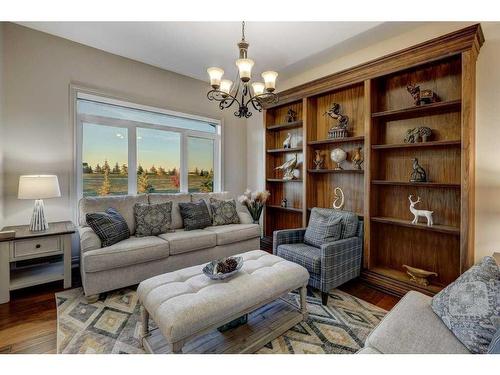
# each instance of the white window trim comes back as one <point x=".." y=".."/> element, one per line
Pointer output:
<point x="77" y="179"/>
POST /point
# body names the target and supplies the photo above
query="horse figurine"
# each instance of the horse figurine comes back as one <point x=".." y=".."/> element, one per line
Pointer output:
<point x="417" y="213"/>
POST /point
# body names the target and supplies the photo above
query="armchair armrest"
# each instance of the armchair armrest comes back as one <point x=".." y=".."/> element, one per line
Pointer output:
<point x="89" y="240"/>
<point x="287" y="236"/>
<point x="340" y="262"/>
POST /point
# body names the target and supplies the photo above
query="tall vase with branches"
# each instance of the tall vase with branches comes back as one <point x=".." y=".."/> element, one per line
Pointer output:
<point x="254" y="202"/>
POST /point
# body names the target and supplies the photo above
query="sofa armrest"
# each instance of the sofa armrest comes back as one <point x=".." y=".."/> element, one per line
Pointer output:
<point x="286" y="236"/>
<point x="340" y="261"/>
<point x="89" y="240"/>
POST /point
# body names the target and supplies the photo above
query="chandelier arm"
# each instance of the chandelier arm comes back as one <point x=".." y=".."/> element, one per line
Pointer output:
<point x="225" y="100"/>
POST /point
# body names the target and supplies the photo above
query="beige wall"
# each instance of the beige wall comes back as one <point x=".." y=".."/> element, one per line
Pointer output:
<point x="1" y="126"/>
<point x="38" y="137"/>
<point x="488" y="119"/>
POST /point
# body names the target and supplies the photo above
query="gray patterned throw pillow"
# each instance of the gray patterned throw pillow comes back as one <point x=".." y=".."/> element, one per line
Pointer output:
<point x="152" y="219"/>
<point x="195" y="215"/>
<point x="224" y="212"/>
<point x="470" y="306"/>
<point x="322" y="229"/>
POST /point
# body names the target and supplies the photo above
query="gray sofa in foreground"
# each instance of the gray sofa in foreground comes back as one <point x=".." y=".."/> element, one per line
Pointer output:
<point x="411" y="327"/>
<point x="138" y="258"/>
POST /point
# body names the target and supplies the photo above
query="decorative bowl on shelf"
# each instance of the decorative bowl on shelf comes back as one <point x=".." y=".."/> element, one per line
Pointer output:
<point x="224" y="268"/>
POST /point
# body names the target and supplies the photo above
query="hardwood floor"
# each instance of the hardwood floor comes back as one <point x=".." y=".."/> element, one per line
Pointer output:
<point x="28" y="323"/>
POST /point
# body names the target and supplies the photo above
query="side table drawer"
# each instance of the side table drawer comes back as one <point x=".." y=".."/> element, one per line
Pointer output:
<point x="36" y="247"/>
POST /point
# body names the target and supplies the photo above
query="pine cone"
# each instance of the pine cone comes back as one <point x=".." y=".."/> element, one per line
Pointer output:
<point x="231" y="264"/>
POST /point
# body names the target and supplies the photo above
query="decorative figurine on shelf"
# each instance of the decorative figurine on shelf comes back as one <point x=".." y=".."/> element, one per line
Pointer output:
<point x="413" y="135"/>
<point x="338" y="156"/>
<point x="291" y="115"/>
<point x="318" y="160"/>
<point x="339" y="131"/>
<point x="338" y="201"/>
<point x="418" y="275"/>
<point x="417" y="213"/>
<point x="287" y="143"/>
<point x="284" y="203"/>
<point x="357" y="158"/>
<point x="425" y="96"/>
<point x="288" y="168"/>
<point x="418" y="174"/>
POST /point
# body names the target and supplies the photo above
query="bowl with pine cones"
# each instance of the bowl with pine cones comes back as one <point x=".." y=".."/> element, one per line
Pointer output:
<point x="224" y="268"/>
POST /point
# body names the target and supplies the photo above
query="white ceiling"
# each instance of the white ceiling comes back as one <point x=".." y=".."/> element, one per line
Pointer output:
<point x="189" y="48"/>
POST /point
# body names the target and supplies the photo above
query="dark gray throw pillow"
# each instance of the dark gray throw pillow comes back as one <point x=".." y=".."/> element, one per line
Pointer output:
<point x="322" y="229"/>
<point x="195" y="215"/>
<point x="470" y="306"/>
<point x="109" y="226"/>
<point x="224" y="212"/>
<point x="152" y="219"/>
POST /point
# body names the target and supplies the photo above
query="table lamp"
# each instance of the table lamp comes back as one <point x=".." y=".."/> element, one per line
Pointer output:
<point x="38" y="187"/>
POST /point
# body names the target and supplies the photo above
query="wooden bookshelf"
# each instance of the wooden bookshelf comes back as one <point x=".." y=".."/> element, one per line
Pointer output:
<point x="381" y="111"/>
<point x="283" y="150"/>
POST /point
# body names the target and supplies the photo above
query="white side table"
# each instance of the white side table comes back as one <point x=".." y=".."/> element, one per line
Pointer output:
<point x="35" y="245"/>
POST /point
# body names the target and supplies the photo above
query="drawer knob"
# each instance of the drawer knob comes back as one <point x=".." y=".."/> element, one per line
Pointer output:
<point x="38" y="246"/>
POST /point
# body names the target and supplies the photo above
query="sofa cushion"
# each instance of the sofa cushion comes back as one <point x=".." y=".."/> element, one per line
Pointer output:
<point x="133" y="250"/>
<point x="175" y="199"/>
<point x="224" y="212"/>
<point x="470" y="306"/>
<point x="124" y="204"/>
<point x="232" y="233"/>
<point x="322" y="228"/>
<point x="307" y="256"/>
<point x="110" y="226"/>
<point x="411" y="327"/>
<point x="195" y="215"/>
<point x="182" y="241"/>
<point x="152" y="219"/>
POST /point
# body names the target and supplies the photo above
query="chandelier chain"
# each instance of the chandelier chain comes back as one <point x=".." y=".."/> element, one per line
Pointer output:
<point x="243" y="31"/>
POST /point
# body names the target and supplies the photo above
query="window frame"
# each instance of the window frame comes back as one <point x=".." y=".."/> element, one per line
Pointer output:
<point x="131" y="126"/>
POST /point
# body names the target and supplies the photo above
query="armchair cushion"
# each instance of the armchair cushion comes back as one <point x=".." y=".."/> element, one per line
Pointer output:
<point x="307" y="256"/>
<point x="89" y="240"/>
<point x="322" y="228"/>
<point x="349" y="220"/>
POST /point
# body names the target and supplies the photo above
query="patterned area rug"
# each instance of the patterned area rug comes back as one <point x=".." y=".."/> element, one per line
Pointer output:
<point x="112" y="325"/>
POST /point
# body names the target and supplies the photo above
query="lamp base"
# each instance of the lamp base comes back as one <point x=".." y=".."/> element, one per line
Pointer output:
<point x="38" y="220"/>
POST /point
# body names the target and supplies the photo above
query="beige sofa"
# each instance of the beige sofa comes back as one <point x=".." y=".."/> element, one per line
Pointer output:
<point x="138" y="258"/>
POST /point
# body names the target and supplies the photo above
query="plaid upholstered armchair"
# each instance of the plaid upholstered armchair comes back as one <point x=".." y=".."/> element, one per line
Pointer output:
<point x="332" y="263"/>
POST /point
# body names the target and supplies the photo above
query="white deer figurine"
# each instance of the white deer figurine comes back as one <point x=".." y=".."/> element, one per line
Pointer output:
<point x="417" y="213"/>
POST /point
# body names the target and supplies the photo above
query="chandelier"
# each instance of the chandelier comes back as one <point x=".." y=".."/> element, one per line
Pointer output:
<point x="226" y="94"/>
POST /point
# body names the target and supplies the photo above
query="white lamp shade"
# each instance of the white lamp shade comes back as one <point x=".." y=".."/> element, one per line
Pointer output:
<point x="258" y="88"/>
<point x="245" y="68"/>
<point x="215" y="76"/>
<point x="225" y="85"/>
<point x="270" y="79"/>
<point x="38" y="187"/>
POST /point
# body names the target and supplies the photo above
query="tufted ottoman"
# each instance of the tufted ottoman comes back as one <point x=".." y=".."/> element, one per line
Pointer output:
<point x="186" y="303"/>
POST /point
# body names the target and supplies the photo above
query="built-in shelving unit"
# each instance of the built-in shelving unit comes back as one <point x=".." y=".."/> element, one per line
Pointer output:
<point x="374" y="96"/>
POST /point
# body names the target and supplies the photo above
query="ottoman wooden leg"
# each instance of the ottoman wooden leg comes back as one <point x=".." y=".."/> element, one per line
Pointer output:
<point x="303" y="301"/>
<point x="177" y="347"/>
<point x="145" y="323"/>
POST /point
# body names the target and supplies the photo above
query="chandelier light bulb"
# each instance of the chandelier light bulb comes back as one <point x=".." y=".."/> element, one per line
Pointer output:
<point x="245" y="68"/>
<point x="225" y="86"/>
<point x="270" y="80"/>
<point x="215" y="76"/>
<point x="258" y="88"/>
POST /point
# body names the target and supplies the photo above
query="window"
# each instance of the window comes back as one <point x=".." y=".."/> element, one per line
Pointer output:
<point x="168" y="152"/>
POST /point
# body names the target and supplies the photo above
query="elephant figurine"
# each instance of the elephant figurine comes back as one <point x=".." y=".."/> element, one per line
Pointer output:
<point x="413" y="135"/>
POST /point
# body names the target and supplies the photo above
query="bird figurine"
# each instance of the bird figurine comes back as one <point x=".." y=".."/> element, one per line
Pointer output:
<point x="418" y="174"/>
<point x="287" y="143"/>
<point x="288" y="167"/>
<point x="318" y="160"/>
<point x="357" y="158"/>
